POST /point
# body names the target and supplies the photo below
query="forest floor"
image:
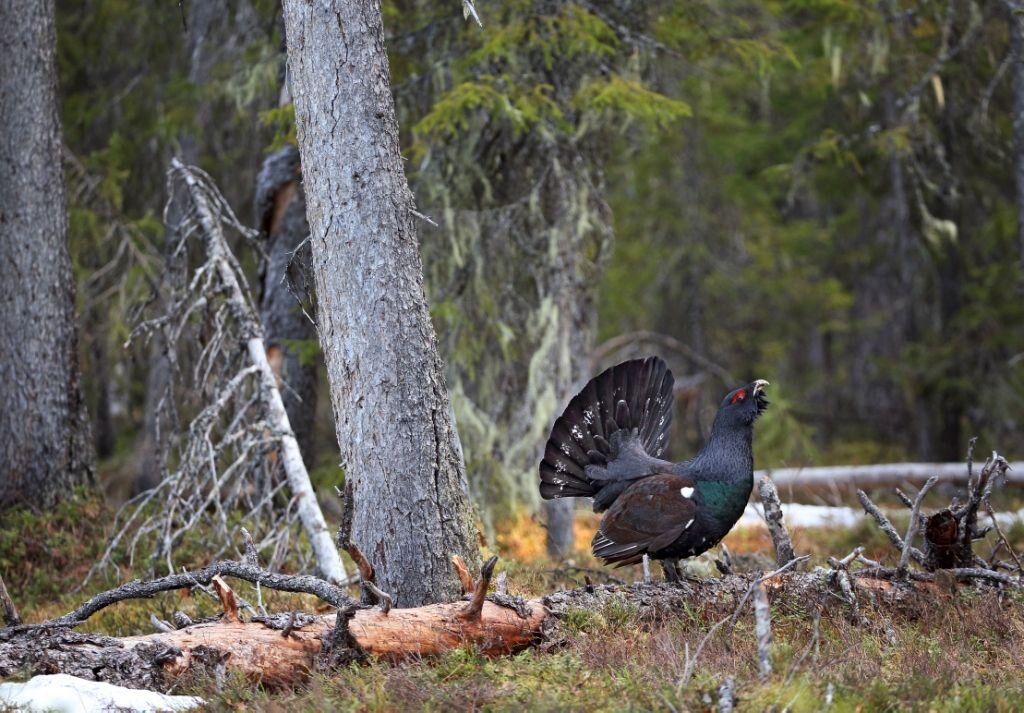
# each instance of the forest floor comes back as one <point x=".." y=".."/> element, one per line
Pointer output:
<point x="959" y="650"/>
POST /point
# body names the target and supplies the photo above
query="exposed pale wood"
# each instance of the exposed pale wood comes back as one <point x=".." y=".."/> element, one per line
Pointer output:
<point x="465" y="578"/>
<point x="227" y="599"/>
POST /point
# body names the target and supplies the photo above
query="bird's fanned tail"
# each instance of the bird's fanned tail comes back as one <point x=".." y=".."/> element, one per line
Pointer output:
<point x="631" y="401"/>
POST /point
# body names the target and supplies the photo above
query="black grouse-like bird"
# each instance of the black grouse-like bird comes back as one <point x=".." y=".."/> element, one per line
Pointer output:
<point x="608" y="444"/>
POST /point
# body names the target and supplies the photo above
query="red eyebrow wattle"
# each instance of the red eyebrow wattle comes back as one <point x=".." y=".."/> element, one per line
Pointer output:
<point x="742" y="394"/>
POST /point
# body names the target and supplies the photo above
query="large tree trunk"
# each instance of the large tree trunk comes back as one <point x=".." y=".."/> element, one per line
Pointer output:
<point x="1016" y="8"/>
<point x="392" y="413"/>
<point x="45" y="445"/>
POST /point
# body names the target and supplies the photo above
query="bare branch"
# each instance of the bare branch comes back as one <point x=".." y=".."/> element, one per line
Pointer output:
<point x="914" y="525"/>
<point x="7" y="606"/>
<point x="883" y="522"/>
<point x="143" y="590"/>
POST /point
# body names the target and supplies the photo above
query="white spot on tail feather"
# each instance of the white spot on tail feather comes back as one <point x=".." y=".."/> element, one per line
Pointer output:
<point x="687" y="525"/>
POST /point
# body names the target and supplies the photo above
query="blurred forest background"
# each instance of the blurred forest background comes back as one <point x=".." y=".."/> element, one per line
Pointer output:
<point x="817" y="192"/>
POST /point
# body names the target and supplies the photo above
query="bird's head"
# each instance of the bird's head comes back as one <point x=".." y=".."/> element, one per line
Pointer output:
<point x="743" y="405"/>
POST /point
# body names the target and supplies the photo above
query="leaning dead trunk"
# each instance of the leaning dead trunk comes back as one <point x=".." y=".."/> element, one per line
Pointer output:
<point x="394" y="421"/>
<point x="45" y="445"/>
<point x="220" y="259"/>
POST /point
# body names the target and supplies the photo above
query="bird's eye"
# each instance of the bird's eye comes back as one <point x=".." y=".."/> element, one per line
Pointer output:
<point x="738" y="396"/>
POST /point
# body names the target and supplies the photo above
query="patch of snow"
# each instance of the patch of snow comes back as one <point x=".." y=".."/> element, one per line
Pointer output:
<point x="68" y="694"/>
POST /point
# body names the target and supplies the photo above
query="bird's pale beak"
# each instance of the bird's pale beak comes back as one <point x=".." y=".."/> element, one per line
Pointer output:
<point x="759" y="385"/>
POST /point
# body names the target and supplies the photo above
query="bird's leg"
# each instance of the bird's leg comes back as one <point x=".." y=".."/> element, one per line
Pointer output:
<point x="671" y="569"/>
<point x="647" y="569"/>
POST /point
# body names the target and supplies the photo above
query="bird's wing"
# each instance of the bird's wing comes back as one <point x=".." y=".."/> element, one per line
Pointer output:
<point x="648" y="517"/>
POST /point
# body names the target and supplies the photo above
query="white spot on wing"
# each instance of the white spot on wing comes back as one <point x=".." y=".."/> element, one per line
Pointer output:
<point x="687" y="526"/>
<point x="686" y="492"/>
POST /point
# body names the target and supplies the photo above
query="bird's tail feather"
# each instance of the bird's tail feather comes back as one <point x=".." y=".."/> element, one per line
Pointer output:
<point x="635" y="394"/>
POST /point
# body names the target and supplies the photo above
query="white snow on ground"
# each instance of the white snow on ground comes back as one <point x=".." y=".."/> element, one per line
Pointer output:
<point x="800" y="515"/>
<point x="68" y="694"/>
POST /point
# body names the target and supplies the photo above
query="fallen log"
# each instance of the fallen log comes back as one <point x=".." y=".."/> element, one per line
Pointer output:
<point x="282" y="650"/>
<point x="880" y="475"/>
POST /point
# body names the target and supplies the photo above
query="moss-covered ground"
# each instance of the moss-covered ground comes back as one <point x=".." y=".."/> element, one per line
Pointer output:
<point x="963" y="652"/>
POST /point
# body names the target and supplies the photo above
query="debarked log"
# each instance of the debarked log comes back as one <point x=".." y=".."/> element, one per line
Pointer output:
<point x="260" y="649"/>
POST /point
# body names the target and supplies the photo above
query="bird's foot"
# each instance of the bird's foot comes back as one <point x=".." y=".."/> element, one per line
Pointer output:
<point x="672" y="570"/>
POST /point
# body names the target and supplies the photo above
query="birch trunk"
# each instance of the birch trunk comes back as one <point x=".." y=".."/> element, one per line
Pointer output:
<point x="45" y="445"/>
<point x="391" y="405"/>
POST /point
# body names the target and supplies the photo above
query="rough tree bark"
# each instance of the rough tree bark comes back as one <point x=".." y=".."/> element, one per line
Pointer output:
<point x="281" y="217"/>
<point x="45" y="444"/>
<point x="392" y="412"/>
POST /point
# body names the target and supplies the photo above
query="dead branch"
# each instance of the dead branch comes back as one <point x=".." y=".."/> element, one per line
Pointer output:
<point x="949" y="534"/>
<point x="10" y="612"/>
<point x="773" y="517"/>
<point x="227" y="599"/>
<point x="476" y="604"/>
<point x="366" y="573"/>
<point x="304" y="584"/>
<point x="238" y="454"/>
<point x="883" y="523"/>
<point x="914" y="525"/>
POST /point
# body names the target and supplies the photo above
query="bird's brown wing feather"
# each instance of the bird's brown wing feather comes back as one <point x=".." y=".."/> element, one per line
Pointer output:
<point x="648" y="517"/>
